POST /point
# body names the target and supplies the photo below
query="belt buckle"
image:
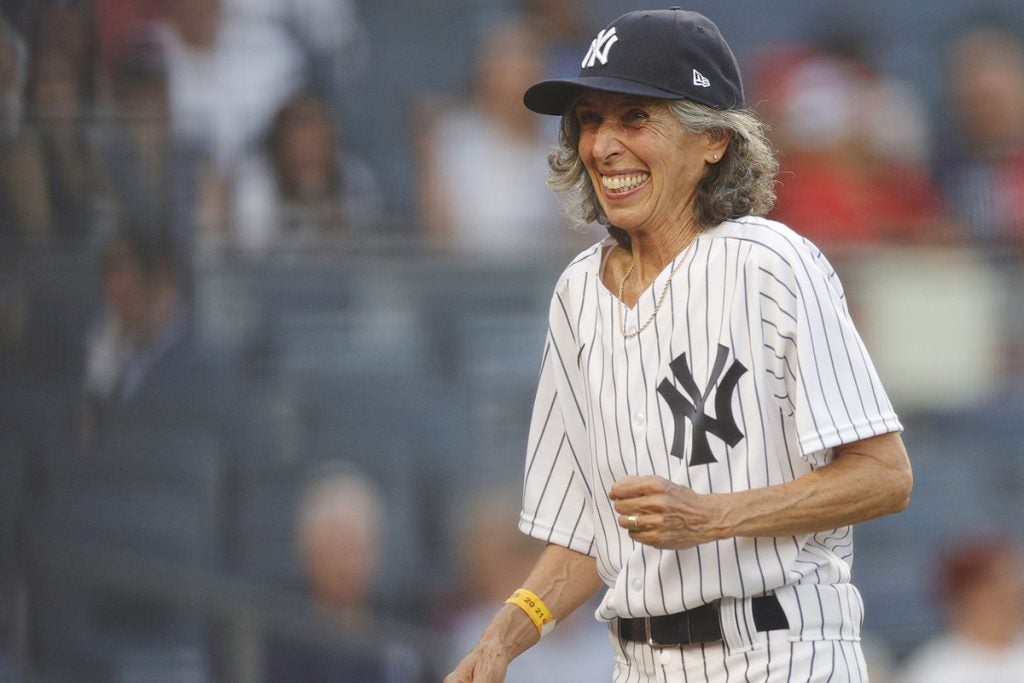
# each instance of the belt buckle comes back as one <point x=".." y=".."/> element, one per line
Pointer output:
<point x="659" y="645"/>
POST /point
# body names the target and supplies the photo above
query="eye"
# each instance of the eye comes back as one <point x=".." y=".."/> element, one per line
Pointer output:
<point x="637" y="115"/>
<point x="587" y="116"/>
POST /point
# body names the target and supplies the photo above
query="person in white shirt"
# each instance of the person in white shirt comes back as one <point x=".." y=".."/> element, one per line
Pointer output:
<point x="982" y="585"/>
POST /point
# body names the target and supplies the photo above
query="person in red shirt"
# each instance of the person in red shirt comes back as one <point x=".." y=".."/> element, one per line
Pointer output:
<point x="852" y="148"/>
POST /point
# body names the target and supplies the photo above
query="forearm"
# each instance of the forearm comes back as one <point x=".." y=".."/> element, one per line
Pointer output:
<point x="867" y="479"/>
<point x="564" y="579"/>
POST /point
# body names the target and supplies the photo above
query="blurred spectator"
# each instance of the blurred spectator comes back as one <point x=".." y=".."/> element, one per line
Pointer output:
<point x="982" y="171"/>
<point x="46" y="174"/>
<point x="13" y="68"/>
<point x="117" y="23"/>
<point x="562" y="32"/>
<point x="981" y="585"/>
<point x="338" y="534"/>
<point x="145" y="363"/>
<point x="158" y="414"/>
<point x="340" y="522"/>
<point x="145" y="170"/>
<point x="133" y="144"/>
<point x="304" y="190"/>
<point x="234" y="63"/>
<point x="879" y="658"/>
<point x="853" y="151"/>
<point x="483" y="163"/>
<point x="13" y="63"/>
<point x="495" y="557"/>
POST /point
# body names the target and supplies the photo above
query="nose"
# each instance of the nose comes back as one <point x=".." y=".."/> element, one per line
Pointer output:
<point x="606" y="142"/>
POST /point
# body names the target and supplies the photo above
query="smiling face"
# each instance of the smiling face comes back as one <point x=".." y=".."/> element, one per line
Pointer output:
<point x="645" y="167"/>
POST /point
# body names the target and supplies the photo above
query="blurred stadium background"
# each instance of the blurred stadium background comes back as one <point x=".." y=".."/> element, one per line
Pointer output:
<point x="159" y="543"/>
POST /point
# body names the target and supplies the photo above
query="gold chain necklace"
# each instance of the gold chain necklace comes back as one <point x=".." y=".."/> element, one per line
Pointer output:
<point x="657" y="304"/>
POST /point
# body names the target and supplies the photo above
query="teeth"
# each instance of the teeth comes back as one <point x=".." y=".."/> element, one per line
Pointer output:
<point x="623" y="183"/>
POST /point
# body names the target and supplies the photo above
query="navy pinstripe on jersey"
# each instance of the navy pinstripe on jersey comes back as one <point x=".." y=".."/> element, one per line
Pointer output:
<point x="749" y="293"/>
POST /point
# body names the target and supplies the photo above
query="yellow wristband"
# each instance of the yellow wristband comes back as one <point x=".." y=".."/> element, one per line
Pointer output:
<point x="535" y="608"/>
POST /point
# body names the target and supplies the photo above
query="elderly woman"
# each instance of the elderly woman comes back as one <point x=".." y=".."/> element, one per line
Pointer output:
<point x="708" y="424"/>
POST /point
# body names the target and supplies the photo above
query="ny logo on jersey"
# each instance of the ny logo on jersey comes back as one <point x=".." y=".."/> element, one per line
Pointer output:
<point x="598" y="51"/>
<point x="722" y="425"/>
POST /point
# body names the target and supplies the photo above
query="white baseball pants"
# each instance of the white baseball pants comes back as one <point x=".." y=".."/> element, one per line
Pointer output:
<point x="778" y="660"/>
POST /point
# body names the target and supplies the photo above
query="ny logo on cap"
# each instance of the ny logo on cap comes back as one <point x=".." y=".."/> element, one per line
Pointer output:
<point x="599" y="48"/>
<point x="700" y="79"/>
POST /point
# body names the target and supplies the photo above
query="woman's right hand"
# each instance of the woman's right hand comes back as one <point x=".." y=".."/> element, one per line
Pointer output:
<point x="479" y="666"/>
<point x="566" y="579"/>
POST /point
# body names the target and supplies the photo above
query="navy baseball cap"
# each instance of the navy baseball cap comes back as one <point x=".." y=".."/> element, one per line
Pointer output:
<point x="670" y="54"/>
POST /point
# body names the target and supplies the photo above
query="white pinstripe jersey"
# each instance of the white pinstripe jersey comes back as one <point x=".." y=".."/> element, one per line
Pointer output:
<point x="751" y="373"/>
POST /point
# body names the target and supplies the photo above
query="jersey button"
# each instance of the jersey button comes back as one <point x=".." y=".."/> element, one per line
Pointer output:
<point x="639" y="420"/>
<point x="637" y="584"/>
<point x="631" y="331"/>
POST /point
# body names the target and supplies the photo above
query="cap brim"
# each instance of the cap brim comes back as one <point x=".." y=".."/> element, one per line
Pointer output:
<point x="554" y="97"/>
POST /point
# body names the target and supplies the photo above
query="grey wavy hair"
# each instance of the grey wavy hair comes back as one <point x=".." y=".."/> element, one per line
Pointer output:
<point x="741" y="184"/>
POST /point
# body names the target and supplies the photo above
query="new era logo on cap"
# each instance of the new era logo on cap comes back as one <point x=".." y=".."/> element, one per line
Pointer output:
<point x="599" y="48"/>
<point x="699" y="80"/>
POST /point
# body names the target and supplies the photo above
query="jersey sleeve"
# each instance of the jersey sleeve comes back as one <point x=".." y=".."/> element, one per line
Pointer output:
<point x="557" y="500"/>
<point x="837" y="396"/>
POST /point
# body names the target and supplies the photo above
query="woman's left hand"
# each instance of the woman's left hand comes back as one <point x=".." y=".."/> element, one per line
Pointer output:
<point x="662" y="514"/>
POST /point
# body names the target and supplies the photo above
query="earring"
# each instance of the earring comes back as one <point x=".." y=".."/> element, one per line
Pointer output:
<point x="715" y="158"/>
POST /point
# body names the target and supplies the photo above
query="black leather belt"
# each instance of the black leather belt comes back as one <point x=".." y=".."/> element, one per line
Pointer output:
<point x="698" y="625"/>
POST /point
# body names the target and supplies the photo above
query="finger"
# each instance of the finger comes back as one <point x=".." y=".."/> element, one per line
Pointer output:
<point x="640" y="503"/>
<point x="463" y="673"/>
<point x="631" y="522"/>
<point x="633" y="487"/>
<point x="476" y="669"/>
